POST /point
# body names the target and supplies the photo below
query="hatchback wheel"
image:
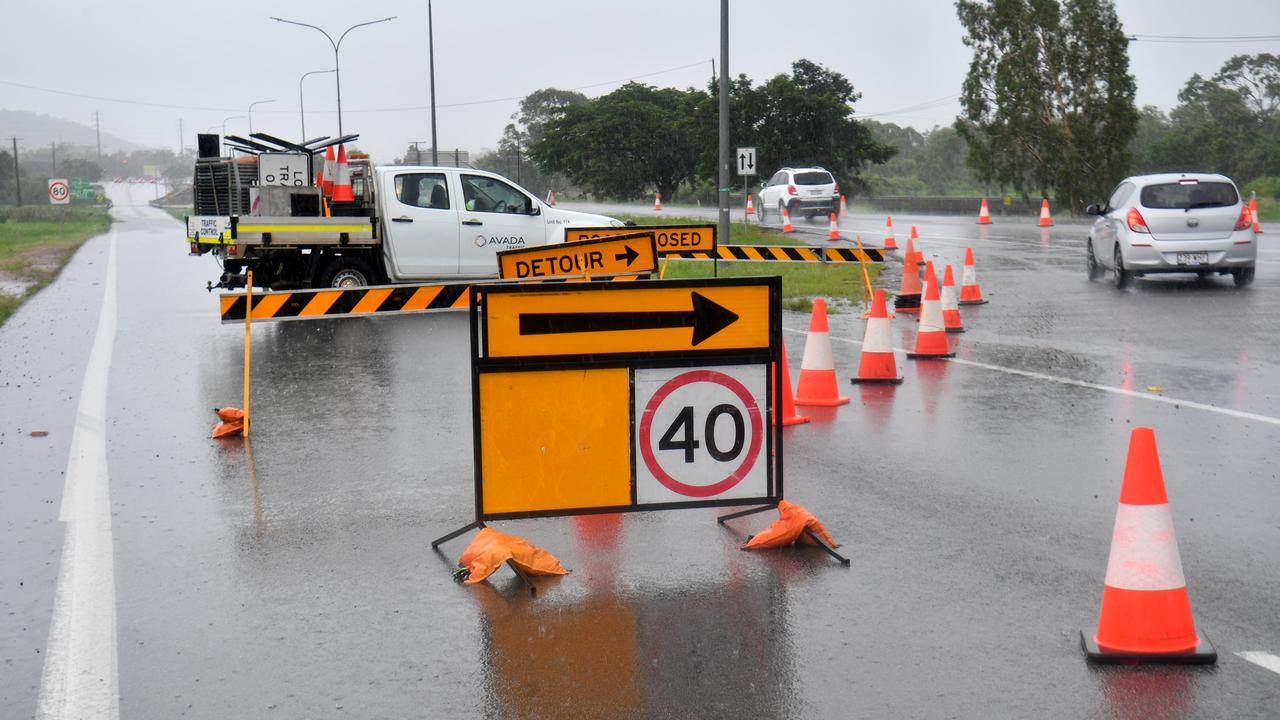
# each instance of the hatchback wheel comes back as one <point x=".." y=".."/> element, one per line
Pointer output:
<point x="1122" y="276"/>
<point x="1242" y="276"/>
<point x="1091" y="261"/>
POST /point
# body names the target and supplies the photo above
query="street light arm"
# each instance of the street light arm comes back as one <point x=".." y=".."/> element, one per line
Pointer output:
<point x="313" y="27"/>
<point x="353" y="27"/>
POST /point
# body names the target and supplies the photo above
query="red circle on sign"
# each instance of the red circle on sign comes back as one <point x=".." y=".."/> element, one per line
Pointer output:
<point x="646" y="430"/>
<point x="58" y="190"/>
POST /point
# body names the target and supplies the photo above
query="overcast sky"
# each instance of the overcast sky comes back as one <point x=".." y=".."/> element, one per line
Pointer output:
<point x="213" y="59"/>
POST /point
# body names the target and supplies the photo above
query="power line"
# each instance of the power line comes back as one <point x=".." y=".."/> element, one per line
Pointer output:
<point x="144" y="103"/>
<point x="926" y="105"/>
<point x="1206" y="39"/>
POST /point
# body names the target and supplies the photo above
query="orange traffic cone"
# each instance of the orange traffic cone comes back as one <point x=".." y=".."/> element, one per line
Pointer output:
<point x="1146" y="614"/>
<point x="342" y="178"/>
<point x="931" y="337"/>
<point x="950" y="303"/>
<point x="818" y="368"/>
<point x="789" y="416"/>
<point x="330" y="167"/>
<point x="913" y="246"/>
<point x="1253" y="212"/>
<point x="844" y="210"/>
<point x="657" y="202"/>
<point x="833" y="232"/>
<point x="320" y="179"/>
<point x="1045" y="220"/>
<point x="889" y="242"/>
<point x="984" y="215"/>
<point x="786" y="221"/>
<point x="877" y="364"/>
<point x="551" y="198"/>
<point x="908" y="298"/>
<point x="970" y="291"/>
<point x="751" y="208"/>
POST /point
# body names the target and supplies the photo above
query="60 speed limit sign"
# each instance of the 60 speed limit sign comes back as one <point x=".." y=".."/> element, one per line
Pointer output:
<point x="59" y="192"/>
<point x="700" y="433"/>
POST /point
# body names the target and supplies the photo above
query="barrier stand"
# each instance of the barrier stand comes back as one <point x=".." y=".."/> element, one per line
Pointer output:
<point x="248" y="313"/>
<point x="662" y="270"/>
<point x="435" y="545"/>
<point x="809" y="533"/>
<point x="866" y="279"/>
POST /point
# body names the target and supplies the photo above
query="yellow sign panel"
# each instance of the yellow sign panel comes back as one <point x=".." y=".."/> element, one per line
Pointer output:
<point x="631" y="253"/>
<point x="630" y="319"/>
<point x="555" y="439"/>
<point x="669" y="238"/>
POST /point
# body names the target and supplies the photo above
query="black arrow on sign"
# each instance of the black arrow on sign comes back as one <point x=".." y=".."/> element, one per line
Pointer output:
<point x="706" y="318"/>
<point x="630" y="255"/>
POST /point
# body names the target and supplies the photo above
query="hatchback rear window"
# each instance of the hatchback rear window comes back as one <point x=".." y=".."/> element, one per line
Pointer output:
<point x="1179" y="196"/>
<point x="813" y="178"/>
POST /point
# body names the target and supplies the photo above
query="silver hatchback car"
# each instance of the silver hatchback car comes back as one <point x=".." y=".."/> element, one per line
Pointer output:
<point x="1173" y="223"/>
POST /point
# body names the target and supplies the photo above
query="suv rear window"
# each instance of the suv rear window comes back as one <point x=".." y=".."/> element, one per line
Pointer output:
<point x="813" y="178"/>
<point x="1177" y="196"/>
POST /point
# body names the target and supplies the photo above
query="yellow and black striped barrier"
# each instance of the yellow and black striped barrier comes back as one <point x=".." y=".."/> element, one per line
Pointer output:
<point x="780" y="253"/>
<point x="363" y="301"/>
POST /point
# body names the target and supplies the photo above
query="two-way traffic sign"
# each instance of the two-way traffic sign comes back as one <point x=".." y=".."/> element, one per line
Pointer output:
<point x="746" y="160"/>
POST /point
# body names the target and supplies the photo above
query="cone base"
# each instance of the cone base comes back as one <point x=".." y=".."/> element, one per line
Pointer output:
<point x="830" y="402"/>
<point x="869" y="381"/>
<point x="1202" y="654"/>
<point x="795" y="420"/>
<point x="973" y="302"/>
<point x="954" y="330"/>
<point x="984" y="222"/>
<point x="930" y="356"/>
<point x="890" y="249"/>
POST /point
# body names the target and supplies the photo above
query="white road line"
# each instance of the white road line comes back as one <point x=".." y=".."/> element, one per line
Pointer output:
<point x="80" y="678"/>
<point x="1262" y="660"/>
<point x="1092" y="386"/>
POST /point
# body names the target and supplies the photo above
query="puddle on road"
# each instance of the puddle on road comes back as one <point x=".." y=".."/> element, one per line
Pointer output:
<point x="14" y="288"/>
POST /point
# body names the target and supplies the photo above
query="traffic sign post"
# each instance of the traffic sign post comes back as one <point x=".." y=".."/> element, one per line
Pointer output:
<point x="627" y="397"/>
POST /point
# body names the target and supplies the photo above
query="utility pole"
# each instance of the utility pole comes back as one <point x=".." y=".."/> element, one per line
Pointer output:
<point x="725" y="179"/>
<point x="17" y="178"/>
<point x="181" y="147"/>
<point x="431" y="56"/>
<point x="53" y="152"/>
<point x="97" y="131"/>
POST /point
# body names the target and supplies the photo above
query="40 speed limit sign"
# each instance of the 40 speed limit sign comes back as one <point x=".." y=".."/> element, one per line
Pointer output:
<point x="699" y="433"/>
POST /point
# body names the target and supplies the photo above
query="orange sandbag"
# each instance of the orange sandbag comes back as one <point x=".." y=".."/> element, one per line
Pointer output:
<point x="490" y="548"/>
<point x="789" y="528"/>
<point x="232" y="422"/>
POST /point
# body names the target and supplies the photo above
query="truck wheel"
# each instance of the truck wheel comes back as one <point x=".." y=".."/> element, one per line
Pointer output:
<point x="346" y="272"/>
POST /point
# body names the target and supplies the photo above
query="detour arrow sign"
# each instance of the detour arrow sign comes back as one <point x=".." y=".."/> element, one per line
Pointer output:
<point x="629" y="253"/>
<point x="655" y="317"/>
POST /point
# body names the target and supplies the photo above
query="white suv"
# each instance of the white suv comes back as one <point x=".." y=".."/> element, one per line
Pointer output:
<point x="809" y="191"/>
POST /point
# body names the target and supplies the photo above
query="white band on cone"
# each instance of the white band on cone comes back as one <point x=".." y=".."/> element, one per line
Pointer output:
<point x="969" y="277"/>
<point x="931" y="317"/>
<point x="1144" y="551"/>
<point x="950" y="299"/>
<point x="817" y="353"/>
<point x="877" y="337"/>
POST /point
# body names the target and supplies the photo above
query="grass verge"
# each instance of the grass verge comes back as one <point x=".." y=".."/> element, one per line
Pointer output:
<point x="1268" y="210"/>
<point x="35" y="242"/>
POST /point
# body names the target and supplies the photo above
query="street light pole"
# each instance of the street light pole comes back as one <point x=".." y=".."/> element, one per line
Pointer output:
<point x="224" y="123"/>
<point x="255" y="102"/>
<point x="431" y="56"/>
<point x="302" y="113"/>
<point x="337" y="75"/>
<point x="724" y="123"/>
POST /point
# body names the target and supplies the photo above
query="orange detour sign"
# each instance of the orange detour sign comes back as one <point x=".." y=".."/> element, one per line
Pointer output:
<point x="669" y="238"/>
<point x="604" y="256"/>
<point x="1146" y="614"/>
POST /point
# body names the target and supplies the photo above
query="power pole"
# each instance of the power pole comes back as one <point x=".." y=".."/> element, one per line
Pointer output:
<point x="431" y="57"/>
<point x="725" y="178"/>
<point x="181" y="147"/>
<point x="17" y="178"/>
<point x="97" y="131"/>
<point x="53" y="152"/>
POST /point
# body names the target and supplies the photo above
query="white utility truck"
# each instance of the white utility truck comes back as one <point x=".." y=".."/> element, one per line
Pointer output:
<point x="263" y="212"/>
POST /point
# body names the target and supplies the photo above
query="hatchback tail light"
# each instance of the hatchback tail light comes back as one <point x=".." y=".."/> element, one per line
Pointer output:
<point x="1245" y="221"/>
<point x="791" y="189"/>
<point x="1135" y="222"/>
<point x="836" y="191"/>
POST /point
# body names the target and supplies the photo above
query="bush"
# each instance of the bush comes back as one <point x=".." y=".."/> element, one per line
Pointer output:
<point x="1266" y="186"/>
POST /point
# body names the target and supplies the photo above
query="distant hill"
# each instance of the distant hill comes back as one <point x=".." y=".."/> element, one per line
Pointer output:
<point x="36" y="130"/>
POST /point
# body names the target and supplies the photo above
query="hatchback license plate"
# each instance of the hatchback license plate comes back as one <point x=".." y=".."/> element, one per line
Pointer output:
<point x="1193" y="258"/>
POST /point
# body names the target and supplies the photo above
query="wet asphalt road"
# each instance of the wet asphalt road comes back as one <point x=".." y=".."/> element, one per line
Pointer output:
<point x="293" y="577"/>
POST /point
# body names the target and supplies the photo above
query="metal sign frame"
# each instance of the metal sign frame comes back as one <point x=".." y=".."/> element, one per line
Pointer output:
<point x="769" y="357"/>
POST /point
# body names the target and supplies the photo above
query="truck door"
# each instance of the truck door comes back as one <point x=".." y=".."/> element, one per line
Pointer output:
<point x="421" y="224"/>
<point x="495" y="216"/>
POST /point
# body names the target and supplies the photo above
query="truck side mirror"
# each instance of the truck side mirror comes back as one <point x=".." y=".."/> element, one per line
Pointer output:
<point x="536" y="208"/>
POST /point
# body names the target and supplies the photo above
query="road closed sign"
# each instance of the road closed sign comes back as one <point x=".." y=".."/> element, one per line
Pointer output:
<point x="623" y="397"/>
<point x="59" y="191"/>
<point x="699" y="433"/>
<point x="669" y="238"/>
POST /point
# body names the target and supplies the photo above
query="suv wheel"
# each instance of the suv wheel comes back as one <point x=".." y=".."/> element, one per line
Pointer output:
<point x="760" y="213"/>
<point x="1122" y="276"/>
<point x="1243" y="276"/>
<point x="793" y="208"/>
<point x="1091" y="261"/>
